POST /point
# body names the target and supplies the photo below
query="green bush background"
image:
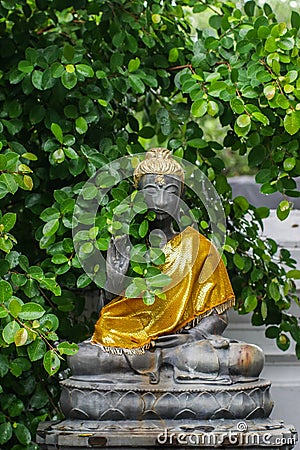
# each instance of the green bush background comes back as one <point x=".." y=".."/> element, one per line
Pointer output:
<point x="85" y="82"/>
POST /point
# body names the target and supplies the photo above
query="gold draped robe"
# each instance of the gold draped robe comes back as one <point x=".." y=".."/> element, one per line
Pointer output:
<point x="199" y="285"/>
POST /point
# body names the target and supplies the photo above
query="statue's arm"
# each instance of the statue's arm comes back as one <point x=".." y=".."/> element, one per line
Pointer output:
<point x="117" y="263"/>
<point x="210" y="327"/>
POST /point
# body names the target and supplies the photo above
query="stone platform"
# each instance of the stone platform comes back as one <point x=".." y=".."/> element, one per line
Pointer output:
<point x="167" y="434"/>
<point x="87" y="398"/>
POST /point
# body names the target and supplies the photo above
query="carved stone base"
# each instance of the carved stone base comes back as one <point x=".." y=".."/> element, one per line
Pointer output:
<point x="169" y="434"/>
<point x="87" y="399"/>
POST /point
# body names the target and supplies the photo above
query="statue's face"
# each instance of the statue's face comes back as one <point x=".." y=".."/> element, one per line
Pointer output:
<point x="162" y="194"/>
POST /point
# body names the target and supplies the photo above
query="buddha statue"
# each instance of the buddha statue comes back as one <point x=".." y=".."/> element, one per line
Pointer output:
<point x="160" y="368"/>
<point x="182" y="333"/>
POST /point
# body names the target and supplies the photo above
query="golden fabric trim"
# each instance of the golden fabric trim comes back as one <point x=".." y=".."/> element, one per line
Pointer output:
<point x="229" y="304"/>
<point x="219" y="309"/>
<point x="199" y="284"/>
<point x="121" y="351"/>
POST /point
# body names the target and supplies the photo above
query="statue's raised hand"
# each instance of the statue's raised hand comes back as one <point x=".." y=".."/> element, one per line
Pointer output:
<point x="117" y="263"/>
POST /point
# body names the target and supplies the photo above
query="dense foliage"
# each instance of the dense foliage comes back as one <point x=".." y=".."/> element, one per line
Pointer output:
<point x="85" y="82"/>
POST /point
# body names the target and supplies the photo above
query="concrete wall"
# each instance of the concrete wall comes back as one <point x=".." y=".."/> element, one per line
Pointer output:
<point x="282" y="368"/>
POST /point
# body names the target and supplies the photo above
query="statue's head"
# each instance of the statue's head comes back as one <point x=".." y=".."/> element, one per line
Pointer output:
<point x="161" y="178"/>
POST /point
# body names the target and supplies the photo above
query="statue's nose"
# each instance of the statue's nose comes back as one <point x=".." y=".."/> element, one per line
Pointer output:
<point x="161" y="199"/>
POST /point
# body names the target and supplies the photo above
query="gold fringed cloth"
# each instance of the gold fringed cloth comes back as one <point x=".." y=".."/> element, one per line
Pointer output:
<point x="200" y="283"/>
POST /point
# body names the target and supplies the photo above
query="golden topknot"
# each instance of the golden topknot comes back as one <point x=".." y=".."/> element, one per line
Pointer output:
<point x="158" y="161"/>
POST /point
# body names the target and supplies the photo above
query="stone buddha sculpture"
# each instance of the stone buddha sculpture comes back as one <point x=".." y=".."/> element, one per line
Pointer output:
<point x="163" y="370"/>
<point x="181" y="334"/>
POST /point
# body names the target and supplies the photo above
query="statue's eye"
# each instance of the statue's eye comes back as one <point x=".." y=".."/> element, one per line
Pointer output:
<point x="150" y="189"/>
<point x="172" y="190"/>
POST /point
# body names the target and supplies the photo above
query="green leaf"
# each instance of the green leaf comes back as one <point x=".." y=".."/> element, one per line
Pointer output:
<point x="36" y="272"/>
<point x="31" y="311"/>
<point x="134" y="64"/>
<point x="19" y="365"/>
<point x="257" y="155"/>
<point x="289" y="164"/>
<point x="51" y="227"/>
<point x="243" y="121"/>
<point x="6" y="244"/>
<point x="4" y="267"/>
<point x="51" y="285"/>
<point x="274" y="291"/>
<point x="68" y="52"/>
<point x="58" y="156"/>
<point x="212" y="108"/>
<point x="216" y="88"/>
<point x="136" y="84"/>
<point x="22" y="434"/>
<point x="143" y="228"/>
<point x="5" y="291"/>
<point x="147" y="132"/>
<point x="262" y="212"/>
<point x="16" y="408"/>
<point x="149" y="298"/>
<point x="15" y="306"/>
<point x="242" y="202"/>
<point x="295" y="20"/>
<point x="65" y="348"/>
<point x="81" y="125"/>
<point x="57" y="131"/>
<point x="83" y="281"/>
<point x="292" y="122"/>
<point x="8" y="221"/>
<point x="36" y="349"/>
<point x="25" y="66"/>
<point x="133" y="291"/>
<point x="103" y="243"/>
<point x="271" y="45"/>
<point x="51" y="362"/>
<point x="197" y="143"/>
<point x="291" y="76"/>
<point x="283" y="210"/>
<point x="4" y="367"/>
<point x="173" y="55"/>
<point x="272" y="332"/>
<point x="30" y="156"/>
<point x="57" y="69"/>
<point x="161" y="280"/>
<point x="238" y="261"/>
<point x="269" y="91"/>
<point x="50" y="214"/>
<point x="9" y="331"/>
<point x="286" y="43"/>
<point x="261" y="118"/>
<point x="294" y="273"/>
<point x="237" y="105"/>
<point x="283" y="341"/>
<point x="10" y="182"/>
<point x="5" y="432"/>
<point x="84" y="70"/>
<point x="199" y="108"/>
<point x="249" y="8"/>
<point x="21" y="337"/>
<point x="250" y="303"/>
<point x="59" y="259"/>
<point x="69" y="80"/>
<point x="37" y="79"/>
